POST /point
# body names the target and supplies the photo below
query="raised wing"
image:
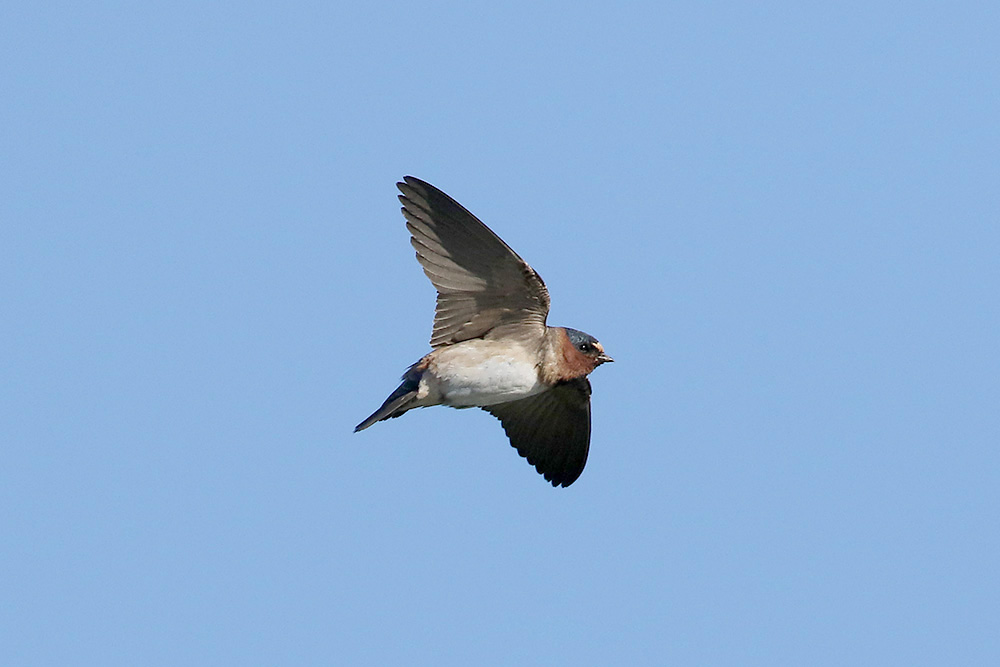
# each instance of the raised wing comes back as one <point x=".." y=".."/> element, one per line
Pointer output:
<point x="482" y="284"/>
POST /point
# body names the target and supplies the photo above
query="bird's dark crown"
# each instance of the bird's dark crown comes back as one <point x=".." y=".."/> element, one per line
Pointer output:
<point x="583" y="341"/>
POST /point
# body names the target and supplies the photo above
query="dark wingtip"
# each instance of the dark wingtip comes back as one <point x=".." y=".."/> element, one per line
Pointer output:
<point x="558" y="480"/>
<point x="411" y="188"/>
<point x="410" y="182"/>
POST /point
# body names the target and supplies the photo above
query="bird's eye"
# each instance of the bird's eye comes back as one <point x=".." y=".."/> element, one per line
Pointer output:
<point x="584" y="347"/>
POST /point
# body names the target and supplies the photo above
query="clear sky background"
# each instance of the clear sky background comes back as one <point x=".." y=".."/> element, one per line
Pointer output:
<point x="782" y="220"/>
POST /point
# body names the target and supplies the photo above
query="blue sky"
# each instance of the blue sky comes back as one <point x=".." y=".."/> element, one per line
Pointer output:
<point x="780" y="219"/>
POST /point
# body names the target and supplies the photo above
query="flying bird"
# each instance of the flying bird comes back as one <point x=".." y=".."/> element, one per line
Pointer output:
<point x="491" y="346"/>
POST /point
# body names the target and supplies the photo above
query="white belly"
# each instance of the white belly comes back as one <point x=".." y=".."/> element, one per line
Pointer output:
<point x="480" y="373"/>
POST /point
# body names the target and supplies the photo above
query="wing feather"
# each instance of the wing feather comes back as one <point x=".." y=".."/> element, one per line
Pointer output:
<point x="482" y="284"/>
<point x="551" y="430"/>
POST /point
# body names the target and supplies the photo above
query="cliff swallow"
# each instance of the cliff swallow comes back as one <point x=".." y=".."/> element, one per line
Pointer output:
<point x="491" y="346"/>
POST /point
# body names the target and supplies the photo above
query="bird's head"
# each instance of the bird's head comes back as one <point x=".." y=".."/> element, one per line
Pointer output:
<point x="587" y="346"/>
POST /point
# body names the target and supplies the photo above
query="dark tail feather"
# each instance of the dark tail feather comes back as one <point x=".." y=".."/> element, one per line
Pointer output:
<point x="398" y="402"/>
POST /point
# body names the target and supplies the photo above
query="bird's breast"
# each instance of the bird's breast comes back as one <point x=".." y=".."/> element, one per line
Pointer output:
<point x="478" y="373"/>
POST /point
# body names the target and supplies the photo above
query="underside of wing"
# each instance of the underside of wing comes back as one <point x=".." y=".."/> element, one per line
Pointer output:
<point x="551" y="429"/>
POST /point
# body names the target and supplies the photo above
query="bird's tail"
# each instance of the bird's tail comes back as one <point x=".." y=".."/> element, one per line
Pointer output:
<point x="399" y="401"/>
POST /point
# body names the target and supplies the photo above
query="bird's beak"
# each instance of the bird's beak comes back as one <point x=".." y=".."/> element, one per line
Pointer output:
<point x="603" y="358"/>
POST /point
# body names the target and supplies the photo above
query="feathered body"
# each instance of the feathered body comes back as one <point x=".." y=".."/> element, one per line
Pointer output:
<point x="492" y="347"/>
